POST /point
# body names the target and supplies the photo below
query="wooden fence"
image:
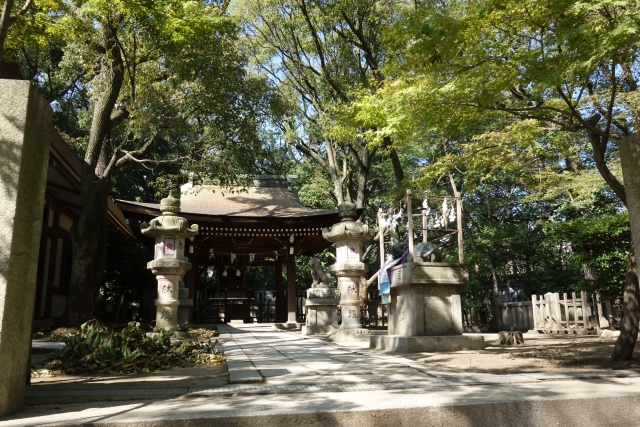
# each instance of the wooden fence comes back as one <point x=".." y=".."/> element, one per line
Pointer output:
<point x="513" y="316"/>
<point x="552" y="314"/>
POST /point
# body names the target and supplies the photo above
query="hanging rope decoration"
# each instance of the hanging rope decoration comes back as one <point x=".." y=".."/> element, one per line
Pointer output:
<point x="251" y="257"/>
<point x="440" y="220"/>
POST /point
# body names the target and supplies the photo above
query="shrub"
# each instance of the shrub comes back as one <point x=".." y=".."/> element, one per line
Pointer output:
<point x="96" y="349"/>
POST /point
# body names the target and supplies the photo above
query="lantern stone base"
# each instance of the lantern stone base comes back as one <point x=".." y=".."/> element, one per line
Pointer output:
<point x="431" y="344"/>
<point x="349" y="335"/>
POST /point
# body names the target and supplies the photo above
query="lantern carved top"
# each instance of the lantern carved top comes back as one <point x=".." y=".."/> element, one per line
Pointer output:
<point x="169" y="222"/>
<point x="348" y="228"/>
<point x="170" y="205"/>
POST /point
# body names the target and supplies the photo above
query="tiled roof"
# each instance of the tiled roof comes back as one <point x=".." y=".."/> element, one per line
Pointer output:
<point x="261" y="201"/>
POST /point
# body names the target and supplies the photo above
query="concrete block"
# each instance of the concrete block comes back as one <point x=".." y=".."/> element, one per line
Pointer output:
<point x="25" y="136"/>
<point x="429" y="344"/>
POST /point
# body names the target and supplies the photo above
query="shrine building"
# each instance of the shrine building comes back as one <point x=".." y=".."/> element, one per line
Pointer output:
<point x="262" y="225"/>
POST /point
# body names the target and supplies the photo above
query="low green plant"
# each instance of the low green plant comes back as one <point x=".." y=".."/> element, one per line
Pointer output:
<point x="97" y="349"/>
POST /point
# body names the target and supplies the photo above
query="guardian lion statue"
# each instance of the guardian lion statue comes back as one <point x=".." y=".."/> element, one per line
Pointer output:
<point x="320" y="277"/>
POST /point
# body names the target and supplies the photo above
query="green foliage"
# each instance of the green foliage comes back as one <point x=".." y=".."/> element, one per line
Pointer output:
<point x="261" y="278"/>
<point x="97" y="349"/>
<point x="511" y="86"/>
<point x="599" y="241"/>
<point x="186" y="96"/>
<point x="324" y="57"/>
<point x="313" y="187"/>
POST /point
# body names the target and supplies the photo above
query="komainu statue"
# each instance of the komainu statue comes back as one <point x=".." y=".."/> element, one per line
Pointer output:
<point x="320" y="277"/>
<point x="428" y="252"/>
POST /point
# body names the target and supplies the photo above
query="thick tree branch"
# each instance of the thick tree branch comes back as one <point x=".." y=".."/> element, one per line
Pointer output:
<point x="118" y="118"/>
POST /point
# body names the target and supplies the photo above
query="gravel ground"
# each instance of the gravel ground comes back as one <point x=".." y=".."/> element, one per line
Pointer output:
<point x="539" y="353"/>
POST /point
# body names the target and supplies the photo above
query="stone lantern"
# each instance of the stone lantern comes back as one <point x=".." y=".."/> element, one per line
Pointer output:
<point x="170" y="263"/>
<point x="348" y="236"/>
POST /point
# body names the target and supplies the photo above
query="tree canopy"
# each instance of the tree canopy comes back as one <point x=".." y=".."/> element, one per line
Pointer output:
<point x="518" y="105"/>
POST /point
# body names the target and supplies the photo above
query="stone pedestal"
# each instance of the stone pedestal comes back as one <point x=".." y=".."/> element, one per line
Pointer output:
<point x="169" y="264"/>
<point x="322" y="311"/>
<point x="348" y="236"/>
<point x="25" y="136"/>
<point x="168" y="272"/>
<point x="425" y="313"/>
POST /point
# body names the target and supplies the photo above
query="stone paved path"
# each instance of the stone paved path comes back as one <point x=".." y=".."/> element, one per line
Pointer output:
<point x="257" y="353"/>
<point x="284" y="362"/>
<point x="280" y="378"/>
<point x="263" y="360"/>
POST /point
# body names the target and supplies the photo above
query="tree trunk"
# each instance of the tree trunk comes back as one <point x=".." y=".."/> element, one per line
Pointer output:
<point x="5" y="23"/>
<point x="395" y="160"/>
<point x="89" y="242"/>
<point x="629" y="150"/>
<point x="89" y="259"/>
<point x="89" y="233"/>
<point x="626" y="342"/>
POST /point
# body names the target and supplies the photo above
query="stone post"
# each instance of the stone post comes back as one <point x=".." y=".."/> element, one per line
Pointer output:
<point x="25" y="136"/>
<point x="348" y="236"/>
<point x="170" y="263"/>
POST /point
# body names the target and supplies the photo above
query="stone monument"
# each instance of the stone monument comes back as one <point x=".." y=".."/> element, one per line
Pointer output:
<point x="348" y="236"/>
<point x="169" y="264"/>
<point x="425" y="313"/>
<point x="25" y="136"/>
<point x="321" y="303"/>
